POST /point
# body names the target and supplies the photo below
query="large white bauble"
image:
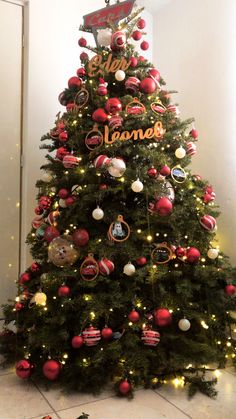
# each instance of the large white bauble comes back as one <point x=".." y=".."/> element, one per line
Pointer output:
<point x="137" y="186"/>
<point x="129" y="269"/>
<point x="120" y="75"/>
<point x="213" y="253"/>
<point x="40" y="298"/>
<point x="184" y="325"/>
<point x="62" y="203"/>
<point x="117" y="167"/>
<point x="180" y="153"/>
<point x="98" y="214"/>
<point x="46" y="177"/>
<point x="104" y="37"/>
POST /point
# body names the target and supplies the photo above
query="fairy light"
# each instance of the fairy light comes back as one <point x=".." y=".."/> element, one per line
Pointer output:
<point x="54" y="297"/>
<point x="186" y="237"/>
<point x="155" y="380"/>
<point x="63" y="362"/>
<point x="176" y="265"/>
<point x="66" y="172"/>
<point x="130" y="324"/>
<point x="189" y="366"/>
<point x="122" y="179"/>
<point x="82" y="171"/>
<point x="33" y="234"/>
<point x="233" y="355"/>
<point x="203" y="260"/>
<point x="219" y="342"/>
<point x="149" y="238"/>
<point x="171" y="311"/>
<point x="217" y="373"/>
<point x="178" y="382"/>
<point x="18" y="205"/>
<point x="165" y="235"/>
<point x="45" y="308"/>
<point x="92" y="315"/>
<point x="228" y="344"/>
<point x="139" y="231"/>
<point x="157" y="234"/>
<point x="74" y="122"/>
<point x="204" y="325"/>
<point x="101" y="349"/>
<point x="154" y="267"/>
<point x="131" y="372"/>
<point x="65" y="356"/>
<point x="111" y="309"/>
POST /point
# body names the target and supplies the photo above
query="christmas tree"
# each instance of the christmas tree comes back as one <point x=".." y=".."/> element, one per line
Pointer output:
<point x="128" y="284"/>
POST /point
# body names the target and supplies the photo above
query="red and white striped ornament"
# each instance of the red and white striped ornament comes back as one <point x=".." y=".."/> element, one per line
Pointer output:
<point x="174" y="109"/>
<point x="101" y="161"/>
<point x="197" y="178"/>
<point x="70" y="161"/>
<point x="91" y="336"/>
<point x="118" y="41"/>
<point x="150" y="337"/>
<point x="52" y="217"/>
<point x="37" y="221"/>
<point x="191" y="148"/>
<point x="208" y="222"/>
<point x="115" y="122"/>
<point x="132" y="84"/>
<point x="106" y="266"/>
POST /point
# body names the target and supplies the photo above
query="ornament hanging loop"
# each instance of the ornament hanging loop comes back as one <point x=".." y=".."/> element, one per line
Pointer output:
<point x="107" y="2"/>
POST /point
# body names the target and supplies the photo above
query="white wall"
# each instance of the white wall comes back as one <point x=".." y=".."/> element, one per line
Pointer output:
<point x="52" y="57"/>
<point x="195" y="51"/>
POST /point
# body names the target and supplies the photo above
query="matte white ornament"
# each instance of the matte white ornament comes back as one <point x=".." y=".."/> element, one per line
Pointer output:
<point x="117" y="167"/>
<point x="137" y="186"/>
<point x="213" y="253"/>
<point x="129" y="269"/>
<point x="62" y="203"/>
<point x="184" y="325"/>
<point x="98" y="214"/>
<point x="120" y="75"/>
<point x="104" y="37"/>
<point x="180" y="153"/>
<point x="75" y="190"/>
<point x="46" y="177"/>
<point x="40" y="298"/>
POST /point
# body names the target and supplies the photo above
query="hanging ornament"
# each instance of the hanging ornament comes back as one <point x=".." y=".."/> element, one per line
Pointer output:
<point x="51" y="233"/>
<point x="132" y="85"/>
<point x="75" y="190"/>
<point x="46" y="177"/>
<point x="94" y="138"/>
<point x="61" y="153"/>
<point x="81" y="98"/>
<point x="40" y="299"/>
<point x="213" y="253"/>
<point x="144" y="45"/>
<point x="35" y="267"/>
<point x="51" y="369"/>
<point x="124" y="387"/>
<point x="98" y="214"/>
<point x="120" y="75"/>
<point x="133" y="62"/>
<point x="53" y="217"/>
<point x="174" y="109"/>
<point x="24" y="368"/>
<point x="106" y="266"/>
<point x="193" y="255"/>
<point x="178" y="174"/>
<point x="150" y="337"/>
<point x="70" y="201"/>
<point x="77" y="342"/>
<point x="62" y="252"/>
<point x="61" y="99"/>
<point x="165" y="171"/>
<point x="70" y="161"/>
<point x="164" y="189"/>
<point x="137" y="35"/>
<point x="80" y="237"/>
<point x="101" y="161"/>
<point x="113" y="106"/>
<point x="82" y="42"/>
<point x="180" y="153"/>
<point x="158" y="108"/>
<point x="115" y="122"/>
<point x="137" y="186"/>
<point x="152" y="172"/>
<point x="38" y="211"/>
<point x="102" y="87"/>
<point x="184" y="325"/>
<point x="45" y="202"/>
<point x="99" y="115"/>
<point x="180" y="252"/>
<point x="119" y="231"/>
<point x="135" y="108"/>
<point x="164" y="207"/>
<point x="103" y="187"/>
<point x="148" y="85"/>
<point x="107" y="333"/>
<point x="63" y="193"/>
<point x="104" y="37"/>
<point x="134" y="316"/>
<point x="129" y="269"/>
<point x="141" y="24"/>
<point x="153" y="72"/>
<point x="194" y="133"/>
<point x="81" y="73"/>
<point x="162" y="317"/>
<point x="141" y="261"/>
<point x="74" y="82"/>
<point x="230" y="289"/>
<point x="19" y="306"/>
<point x="62" y="203"/>
<point x="40" y="231"/>
<point x="37" y="221"/>
<point x="89" y="269"/>
<point x="191" y="148"/>
<point x="117" y="167"/>
<point x="208" y="223"/>
<point x="63" y="136"/>
<point x="71" y="106"/>
<point x="83" y="57"/>
<point x="161" y="254"/>
<point x="63" y="291"/>
<point x="118" y="41"/>
<point x="91" y="336"/>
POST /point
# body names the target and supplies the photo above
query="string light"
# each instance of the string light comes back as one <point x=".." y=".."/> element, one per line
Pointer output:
<point x="65" y="356"/>
<point x="204" y="325"/>
<point x="217" y="373"/>
<point x="178" y="382"/>
<point x="228" y="344"/>
<point x="139" y="231"/>
<point x="130" y="324"/>
<point x="92" y="315"/>
<point x="149" y="238"/>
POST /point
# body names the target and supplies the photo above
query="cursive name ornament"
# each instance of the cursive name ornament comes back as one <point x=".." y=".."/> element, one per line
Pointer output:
<point x="155" y="132"/>
<point x="97" y="66"/>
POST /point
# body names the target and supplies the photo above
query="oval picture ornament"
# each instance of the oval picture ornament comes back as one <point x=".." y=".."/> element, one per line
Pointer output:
<point x="119" y="230"/>
<point x="178" y="174"/>
<point x="161" y="254"/>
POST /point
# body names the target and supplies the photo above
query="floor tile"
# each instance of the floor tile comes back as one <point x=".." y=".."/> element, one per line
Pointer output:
<point x="53" y="416"/>
<point x="146" y="405"/>
<point x="20" y="399"/>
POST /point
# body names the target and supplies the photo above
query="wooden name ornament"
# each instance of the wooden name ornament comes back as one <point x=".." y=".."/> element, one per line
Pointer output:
<point x="96" y="66"/>
<point x="156" y="132"/>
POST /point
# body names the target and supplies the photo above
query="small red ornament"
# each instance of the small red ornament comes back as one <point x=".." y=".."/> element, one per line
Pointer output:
<point x="141" y="24"/>
<point x="153" y="72"/>
<point x="134" y="316"/>
<point x="230" y="289"/>
<point x="83" y="57"/>
<point x="63" y="291"/>
<point x="144" y="45"/>
<point x="51" y="233"/>
<point x="81" y="72"/>
<point x="162" y="317"/>
<point x="38" y="210"/>
<point x="137" y="35"/>
<point x="142" y="261"/>
<point x="19" y="306"/>
<point x="152" y="172"/>
<point x="141" y="58"/>
<point x="61" y="153"/>
<point x="180" y="252"/>
<point x="25" y="277"/>
<point x="164" y="207"/>
<point x="165" y="171"/>
<point x="63" y="136"/>
<point x="207" y="198"/>
<point x="101" y="161"/>
<point x="74" y="82"/>
<point x="194" y="133"/>
<point x="208" y="222"/>
<point x="24" y="368"/>
<point x="103" y="186"/>
<point x="63" y="193"/>
<point x="71" y="106"/>
<point x="118" y="41"/>
<point x="35" y="267"/>
<point x="91" y="336"/>
<point x="70" y="201"/>
<point x="113" y="106"/>
<point x="70" y="161"/>
<point x="102" y="87"/>
<point x="133" y="62"/>
<point x="124" y="387"/>
<point x="191" y="148"/>
<point x="81" y="237"/>
<point x="107" y="332"/>
<point x="45" y="202"/>
<point x="82" y="42"/>
<point x="193" y="255"/>
<point x="99" y="115"/>
<point x="77" y="342"/>
<point x="61" y="99"/>
<point x="148" y="85"/>
<point x="106" y="266"/>
<point x="51" y="369"/>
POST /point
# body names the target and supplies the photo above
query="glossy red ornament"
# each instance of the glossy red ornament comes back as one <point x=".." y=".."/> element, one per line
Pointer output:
<point x="106" y="266"/>
<point x="70" y="201"/>
<point x="194" y="133"/>
<point x="61" y="153"/>
<point x="51" y="369"/>
<point x="51" y="233"/>
<point x="24" y="368"/>
<point x="148" y="85"/>
<point x="83" y="56"/>
<point x="134" y="316"/>
<point x="144" y="45"/>
<point x="137" y="35"/>
<point x="107" y="332"/>
<point x="77" y="342"/>
<point x="103" y="186"/>
<point x="141" y="58"/>
<point x="141" y="261"/>
<point x="19" y="306"/>
<point x="61" y="99"/>
<point x="141" y="24"/>
<point x="164" y="207"/>
<point x="81" y="72"/>
<point x="35" y="267"/>
<point x="113" y="106"/>
<point x="165" y="171"/>
<point x="25" y="277"/>
<point x="63" y="291"/>
<point x="124" y="387"/>
<point x="153" y="72"/>
<point x="230" y="289"/>
<point x="45" y="202"/>
<point x="81" y="237"/>
<point x="74" y="82"/>
<point x="180" y="252"/>
<point x="71" y="106"/>
<point x="193" y="255"/>
<point x="133" y="62"/>
<point x="208" y="198"/>
<point x="82" y="42"/>
<point x="38" y="210"/>
<point x="63" y="193"/>
<point x="162" y="317"/>
<point x="152" y="172"/>
<point x="99" y="115"/>
<point x="63" y="136"/>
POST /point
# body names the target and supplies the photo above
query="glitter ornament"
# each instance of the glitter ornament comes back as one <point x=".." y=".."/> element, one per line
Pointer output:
<point x="184" y="325"/>
<point x="129" y="269"/>
<point x="137" y="186"/>
<point x="98" y="214"/>
<point x="61" y="252"/>
<point x="213" y="253"/>
<point x="104" y="37"/>
<point x="117" y="167"/>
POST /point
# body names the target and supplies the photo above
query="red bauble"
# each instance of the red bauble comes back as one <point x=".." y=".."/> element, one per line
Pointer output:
<point x="137" y="35"/>
<point x="70" y="201"/>
<point x="99" y="115"/>
<point x="84" y="56"/>
<point x="113" y="106"/>
<point x="134" y="316"/>
<point x="101" y="161"/>
<point x="70" y="161"/>
<point x="141" y="261"/>
<point x="81" y="72"/>
<point x="74" y="82"/>
<point x="81" y="237"/>
<point x="51" y="233"/>
<point x="38" y="210"/>
<point x="208" y="222"/>
<point x="51" y="369"/>
<point x="103" y="186"/>
<point x="61" y="153"/>
<point x="144" y="45"/>
<point x="24" y="368"/>
<point x="193" y="255"/>
<point x="61" y="99"/>
<point x="63" y="291"/>
<point x="153" y="72"/>
<point x="45" y="202"/>
<point x="162" y="317"/>
<point x="141" y="58"/>
<point x="63" y="136"/>
<point x="124" y="387"/>
<point x="106" y="266"/>
<point x="19" y="306"/>
<point x="164" y="207"/>
<point x="35" y="267"/>
<point x="133" y="62"/>
<point x="141" y="24"/>
<point x="208" y="198"/>
<point x="152" y="172"/>
<point x="71" y="106"/>
<point x="230" y="289"/>
<point x="194" y="133"/>
<point x="63" y="193"/>
<point x="77" y="342"/>
<point x="82" y="42"/>
<point x="180" y="252"/>
<point x="148" y="85"/>
<point x="107" y="332"/>
<point x="165" y="171"/>
<point x="25" y="277"/>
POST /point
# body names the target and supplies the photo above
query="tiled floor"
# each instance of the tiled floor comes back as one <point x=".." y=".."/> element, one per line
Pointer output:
<point x="24" y="400"/>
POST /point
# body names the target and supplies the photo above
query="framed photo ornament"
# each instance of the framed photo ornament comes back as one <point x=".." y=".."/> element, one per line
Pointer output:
<point x="161" y="254"/>
<point x="119" y="230"/>
<point x="178" y="174"/>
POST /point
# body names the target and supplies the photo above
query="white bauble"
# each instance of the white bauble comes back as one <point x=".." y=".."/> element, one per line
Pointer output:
<point x="213" y="253"/>
<point x="98" y="214"/>
<point x="75" y="190"/>
<point x="117" y="167"/>
<point x="137" y="186"/>
<point x="120" y="75"/>
<point x="62" y="203"/>
<point x="104" y="37"/>
<point x="46" y="177"/>
<point x="129" y="269"/>
<point x="40" y="298"/>
<point x="180" y="153"/>
<point x="184" y="325"/>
